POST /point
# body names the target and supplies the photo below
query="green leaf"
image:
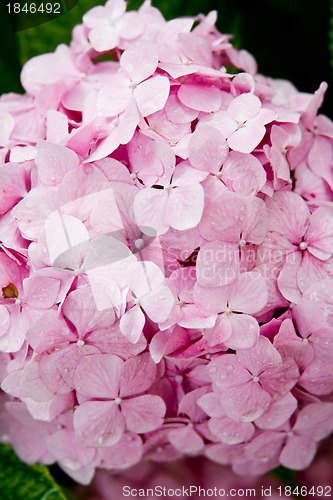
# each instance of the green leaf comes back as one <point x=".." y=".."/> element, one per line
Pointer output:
<point x="23" y="482"/>
<point x="9" y="61"/>
<point x="45" y="37"/>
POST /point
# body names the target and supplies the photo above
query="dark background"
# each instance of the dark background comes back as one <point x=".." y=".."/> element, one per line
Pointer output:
<point x="289" y="38"/>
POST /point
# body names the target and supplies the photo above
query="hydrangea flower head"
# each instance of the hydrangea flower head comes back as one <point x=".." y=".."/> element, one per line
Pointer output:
<point x="166" y="253"/>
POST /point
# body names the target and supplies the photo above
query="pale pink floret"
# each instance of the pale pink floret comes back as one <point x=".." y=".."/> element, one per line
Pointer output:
<point x="122" y="405"/>
<point x="109" y="24"/>
<point x="233" y="218"/>
<point x="249" y="380"/>
<point x="247" y="294"/>
<point x="244" y="123"/>
<point x="160" y="209"/>
<point x="148" y="291"/>
<point x="311" y="239"/>
<point x="138" y="63"/>
<point x="299" y="442"/>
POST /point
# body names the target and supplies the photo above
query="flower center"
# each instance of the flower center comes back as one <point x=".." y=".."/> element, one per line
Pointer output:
<point x="10" y="291"/>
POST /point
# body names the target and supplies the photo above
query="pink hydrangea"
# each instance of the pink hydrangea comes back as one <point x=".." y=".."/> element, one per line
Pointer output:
<point x="166" y="254"/>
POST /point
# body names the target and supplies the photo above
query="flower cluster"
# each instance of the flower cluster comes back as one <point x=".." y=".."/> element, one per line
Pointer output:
<point x="166" y="237"/>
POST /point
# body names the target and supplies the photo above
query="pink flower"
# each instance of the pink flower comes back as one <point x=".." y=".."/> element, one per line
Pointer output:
<point x="110" y="23"/>
<point x="159" y="209"/>
<point x="244" y="123"/>
<point x="237" y="331"/>
<point x="166" y="253"/>
<point x="250" y="379"/>
<point x="118" y="386"/>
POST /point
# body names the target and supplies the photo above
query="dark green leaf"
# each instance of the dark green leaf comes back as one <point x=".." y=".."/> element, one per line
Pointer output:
<point x="21" y="482"/>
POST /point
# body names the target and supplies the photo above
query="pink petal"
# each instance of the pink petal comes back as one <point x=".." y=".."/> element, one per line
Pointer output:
<point x="231" y="217"/>
<point x="67" y="240"/>
<point x="150" y="209"/>
<point x="7" y="124"/>
<point x="319" y="235"/>
<point x="227" y="372"/>
<point x="151" y="95"/>
<point x="49" y="332"/>
<point x="288" y="215"/>
<point x="321" y="294"/>
<point x="115" y="97"/>
<point x="317" y="378"/>
<point x="244" y="106"/>
<point x="130" y="25"/>
<point x="143" y="413"/>
<point x="32" y="383"/>
<point x="177" y="112"/>
<point x="98" y="423"/>
<point x="320" y="159"/>
<point x="189" y="202"/>
<point x="4" y="319"/>
<point x="158" y="304"/>
<point x="211" y="403"/>
<point x="164" y="343"/>
<point x="66" y="450"/>
<point x="80" y="308"/>
<point x="248" y="293"/>
<point x="13" y="188"/>
<point x="278" y="412"/>
<point x="207" y="149"/>
<point x="246" y="402"/>
<point x="103" y="38"/>
<point x="132" y="323"/>
<point x="139" y="60"/>
<point x="32" y="211"/>
<point x="212" y="300"/>
<point x="230" y="432"/>
<point x="53" y="162"/>
<point x="112" y="341"/>
<point x="186" y="440"/>
<point x="205" y="98"/>
<point x="217" y="264"/>
<point x="245" y="332"/>
<point x="244" y="173"/>
<point x="262" y="355"/>
<point x="57" y="368"/>
<point x="41" y="292"/>
<point x="126" y="452"/>
<point x="287" y="279"/>
<point x="280" y="379"/>
<point x="310" y="271"/>
<point x="138" y="374"/>
<point x="298" y="452"/>
<point x="246" y="138"/>
<point x="98" y="376"/>
<point x="315" y="420"/>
